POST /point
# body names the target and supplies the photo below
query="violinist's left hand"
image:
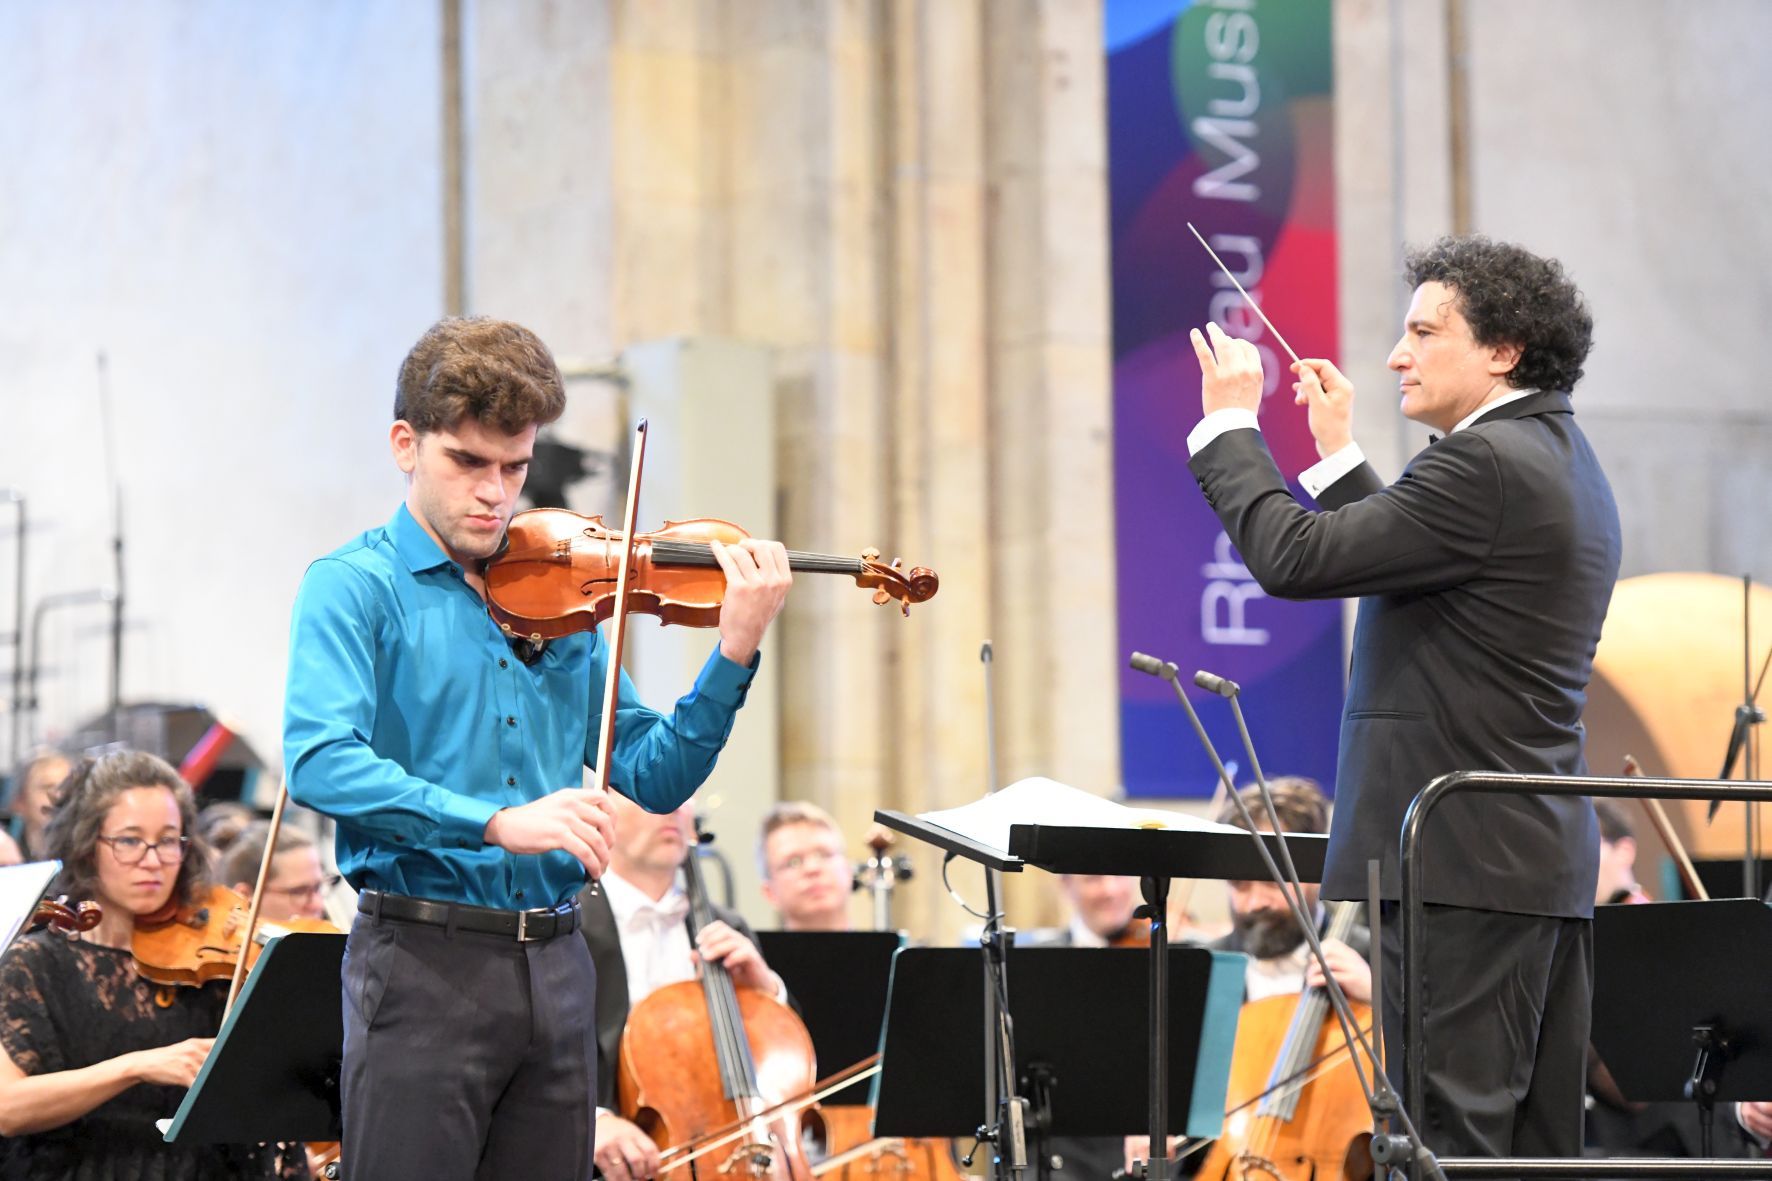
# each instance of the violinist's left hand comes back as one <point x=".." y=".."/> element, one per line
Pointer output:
<point x="757" y="581"/>
<point x="723" y="945"/>
<point x="1351" y="971"/>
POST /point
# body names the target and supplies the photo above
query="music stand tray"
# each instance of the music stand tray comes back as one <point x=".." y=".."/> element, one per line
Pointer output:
<point x="1688" y="964"/>
<point x="838" y="979"/>
<point x="272" y="1076"/>
<point x="1169" y="853"/>
<point x="1081" y="1023"/>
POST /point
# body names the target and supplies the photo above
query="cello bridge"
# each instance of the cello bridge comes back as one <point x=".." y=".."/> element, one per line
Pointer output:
<point x="754" y="1160"/>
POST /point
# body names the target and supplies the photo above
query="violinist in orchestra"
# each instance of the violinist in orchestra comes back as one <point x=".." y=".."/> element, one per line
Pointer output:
<point x="94" y="1052"/>
<point x="453" y="758"/>
<point x="1484" y="574"/>
<point x="636" y="926"/>
<point x="297" y="883"/>
<point x="1617" y="881"/>
<point x="807" y="876"/>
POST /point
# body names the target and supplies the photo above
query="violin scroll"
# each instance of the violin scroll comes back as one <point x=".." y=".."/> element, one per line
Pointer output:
<point x="889" y="581"/>
<point x="57" y="914"/>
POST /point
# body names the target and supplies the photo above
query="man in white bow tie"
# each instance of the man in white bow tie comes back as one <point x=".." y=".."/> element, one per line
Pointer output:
<point x="637" y="929"/>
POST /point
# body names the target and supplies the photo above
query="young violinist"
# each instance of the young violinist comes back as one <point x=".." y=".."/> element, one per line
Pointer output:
<point x="95" y="1053"/>
<point x="452" y="760"/>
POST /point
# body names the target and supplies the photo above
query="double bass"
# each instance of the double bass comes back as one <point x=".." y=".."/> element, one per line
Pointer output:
<point x="1296" y="1111"/>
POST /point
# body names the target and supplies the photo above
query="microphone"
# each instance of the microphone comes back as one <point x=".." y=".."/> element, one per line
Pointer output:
<point x="1223" y="686"/>
<point x="1152" y="666"/>
<point x="1293" y="891"/>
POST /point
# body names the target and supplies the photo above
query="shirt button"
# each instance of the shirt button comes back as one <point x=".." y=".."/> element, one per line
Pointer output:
<point x="510" y="781"/>
<point x="519" y="895"/>
<point x="503" y="663"/>
<point x="511" y="721"/>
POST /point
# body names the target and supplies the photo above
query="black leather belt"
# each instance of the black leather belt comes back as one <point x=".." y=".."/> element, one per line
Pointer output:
<point x="525" y="926"/>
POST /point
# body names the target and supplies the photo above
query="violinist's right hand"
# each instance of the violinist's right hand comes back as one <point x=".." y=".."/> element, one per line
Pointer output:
<point x="624" y="1152"/>
<point x="576" y="819"/>
<point x="171" y="1066"/>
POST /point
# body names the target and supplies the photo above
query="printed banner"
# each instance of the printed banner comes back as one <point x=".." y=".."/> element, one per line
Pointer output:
<point x="1219" y="114"/>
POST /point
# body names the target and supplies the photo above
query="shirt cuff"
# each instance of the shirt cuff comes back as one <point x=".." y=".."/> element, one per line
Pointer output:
<point x="726" y="681"/>
<point x="462" y="823"/>
<point x="1325" y="472"/>
<point x="1231" y="418"/>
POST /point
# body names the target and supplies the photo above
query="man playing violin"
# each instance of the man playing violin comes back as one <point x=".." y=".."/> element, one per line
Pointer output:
<point x="94" y="1052"/>
<point x="453" y="764"/>
<point x="636" y="925"/>
<point x="1485" y="572"/>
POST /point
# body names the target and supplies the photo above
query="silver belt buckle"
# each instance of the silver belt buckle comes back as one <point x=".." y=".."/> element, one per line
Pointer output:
<point x="523" y="927"/>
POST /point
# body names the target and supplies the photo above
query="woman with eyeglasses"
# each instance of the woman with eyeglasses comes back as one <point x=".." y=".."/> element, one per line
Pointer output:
<point x="94" y="1054"/>
<point x="298" y="883"/>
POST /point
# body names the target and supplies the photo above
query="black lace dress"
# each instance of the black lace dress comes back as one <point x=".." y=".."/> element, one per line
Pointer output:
<point x="65" y="1004"/>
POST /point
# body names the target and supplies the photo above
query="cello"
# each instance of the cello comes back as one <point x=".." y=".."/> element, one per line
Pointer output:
<point x="673" y="1088"/>
<point x="1296" y="1111"/>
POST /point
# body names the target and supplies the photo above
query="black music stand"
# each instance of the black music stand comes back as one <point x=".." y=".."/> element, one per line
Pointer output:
<point x="839" y="981"/>
<point x="272" y="1076"/>
<point x="1700" y="970"/>
<point x="1154" y="856"/>
<point x="1078" y="1063"/>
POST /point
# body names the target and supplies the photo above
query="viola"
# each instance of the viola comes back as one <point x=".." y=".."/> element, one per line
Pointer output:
<point x="704" y="1054"/>
<point x="557" y="573"/>
<point x="1296" y="1108"/>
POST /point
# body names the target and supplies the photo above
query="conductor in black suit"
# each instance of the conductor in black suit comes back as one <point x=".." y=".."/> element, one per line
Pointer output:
<point x="1484" y="573"/>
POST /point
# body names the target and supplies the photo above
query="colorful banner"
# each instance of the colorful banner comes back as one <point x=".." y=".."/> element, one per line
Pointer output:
<point x="1219" y="114"/>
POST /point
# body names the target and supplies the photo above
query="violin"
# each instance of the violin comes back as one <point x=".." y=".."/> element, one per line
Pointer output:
<point x="57" y="915"/>
<point x="1296" y="1108"/>
<point x="193" y="945"/>
<point x="703" y="1054"/>
<point x="557" y="573"/>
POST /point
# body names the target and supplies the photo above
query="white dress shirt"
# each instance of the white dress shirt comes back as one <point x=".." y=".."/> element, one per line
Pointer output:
<point x="654" y="936"/>
<point x="1330" y="468"/>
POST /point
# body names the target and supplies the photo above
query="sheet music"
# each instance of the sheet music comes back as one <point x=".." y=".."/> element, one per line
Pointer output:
<point x="21" y="888"/>
<point x="1038" y="800"/>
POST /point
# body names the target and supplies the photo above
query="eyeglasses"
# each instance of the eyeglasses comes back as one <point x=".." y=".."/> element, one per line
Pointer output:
<point x="309" y="892"/>
<point x="133" y="850"/>
<point x="810" y="859"/>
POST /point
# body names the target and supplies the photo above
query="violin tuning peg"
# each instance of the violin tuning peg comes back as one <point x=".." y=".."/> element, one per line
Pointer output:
<point x="881" y="598"/>
<point x="905" y="606"/>
<point x="870" y="554"/>
<point x="897" y="562"/>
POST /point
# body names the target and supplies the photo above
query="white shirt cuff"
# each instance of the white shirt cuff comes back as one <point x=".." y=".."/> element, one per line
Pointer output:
<point x="1231" y="418"/>
<point x="1325" y="472"/>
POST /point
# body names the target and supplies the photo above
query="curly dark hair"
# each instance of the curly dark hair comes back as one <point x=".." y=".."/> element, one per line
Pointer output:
<point x="83" y="801"/>
<point x="1297" y="799"/>
<point x="1511" y="296"/>
<point x="494" y="371"/>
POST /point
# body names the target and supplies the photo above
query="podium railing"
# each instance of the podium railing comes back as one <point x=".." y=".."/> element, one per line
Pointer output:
<point x="1415" y="1016"/>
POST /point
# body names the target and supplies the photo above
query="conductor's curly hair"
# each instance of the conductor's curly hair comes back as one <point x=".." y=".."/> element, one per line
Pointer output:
<point x="1509" y="295"/>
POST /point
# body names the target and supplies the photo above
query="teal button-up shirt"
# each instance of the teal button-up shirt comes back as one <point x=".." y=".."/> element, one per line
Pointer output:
<point x="409" y="721"/>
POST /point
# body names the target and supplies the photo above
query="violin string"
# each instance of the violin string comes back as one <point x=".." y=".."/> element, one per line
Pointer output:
<point x="694" y="553"/>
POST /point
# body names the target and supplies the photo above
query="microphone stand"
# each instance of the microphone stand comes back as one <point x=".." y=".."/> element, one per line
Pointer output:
<point x="1388" y="1149"/>
<point x="1744" y="740"/>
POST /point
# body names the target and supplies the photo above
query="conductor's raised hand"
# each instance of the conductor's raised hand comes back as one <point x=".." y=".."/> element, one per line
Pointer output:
<point x="577" y="820"/>
<point x="1330" y="397"/>
<point x="757" y="581"/>
<point x="1230" y="371"/>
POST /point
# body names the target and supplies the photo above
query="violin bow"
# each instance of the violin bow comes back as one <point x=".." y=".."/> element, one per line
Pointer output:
<point x="258" y="896"/>
<point x="618" y="619"/>
<point x="1664" y="828"/>
<point x="1246" y="298"/>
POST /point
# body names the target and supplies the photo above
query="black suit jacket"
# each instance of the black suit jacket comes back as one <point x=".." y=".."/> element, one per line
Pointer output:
<point x="1485" y="572"/>
<point x="598" y="929"/>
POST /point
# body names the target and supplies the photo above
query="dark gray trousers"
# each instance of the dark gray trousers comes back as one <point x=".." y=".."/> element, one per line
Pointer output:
<point x="1509" y="998"/>
<point x="467" y="1056"/>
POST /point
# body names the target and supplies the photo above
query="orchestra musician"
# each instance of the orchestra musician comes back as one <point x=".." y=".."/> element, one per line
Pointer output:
<point x="807" y="877"/>
<point x="452" y="760"/>
<point x="1484" y="574"/>
<point x="1617" y="881"/>
<point x="33" y="799"/>
<point x="297" y="884"/>
<point x="636" y="925"/>
<point x="94" y="1052"/>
